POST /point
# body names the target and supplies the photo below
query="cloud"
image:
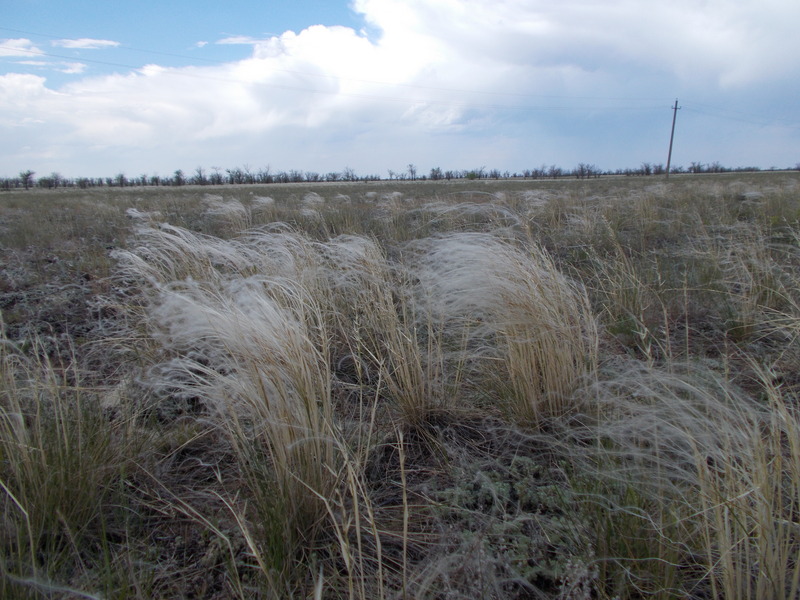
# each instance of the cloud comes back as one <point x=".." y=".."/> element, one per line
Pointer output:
<point x="459" y="83"/>
<point x="18" y="47"/>
<point x="238" y="40"/>
<point x="25" y="48"/>
<point x="72" y="68"/>
<point x="85" y="44"/>
<point x="69" y="68"/>
<point x="732" y="41"/>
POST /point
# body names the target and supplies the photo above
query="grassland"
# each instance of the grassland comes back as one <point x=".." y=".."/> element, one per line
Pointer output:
<point x="494" y="389"/>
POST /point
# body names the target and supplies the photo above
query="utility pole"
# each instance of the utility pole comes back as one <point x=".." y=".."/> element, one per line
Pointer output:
<point x="672" y="135"/>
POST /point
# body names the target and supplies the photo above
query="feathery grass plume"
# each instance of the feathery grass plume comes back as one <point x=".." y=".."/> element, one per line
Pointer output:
<point x="263" y="209"/>
<point x="694" y="487"/>
<point x="754" y="277"/>
<point x="229" y="216"/>
<point x="263" y="201"/>
<point x="255" y="350"/>
<point x="261" y="363"/>
<point x="517" y="311"/>
<point x="491" y="216"/>
<point x="143" y="216"/>
<point x="168" y="254"/>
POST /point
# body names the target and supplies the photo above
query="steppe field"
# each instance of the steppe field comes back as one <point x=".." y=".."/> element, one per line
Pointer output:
<point x="564" y="389"/>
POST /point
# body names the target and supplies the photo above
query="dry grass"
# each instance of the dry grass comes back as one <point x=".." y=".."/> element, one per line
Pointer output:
<point x="516" y="389"/>
<point x="694" y="485"/>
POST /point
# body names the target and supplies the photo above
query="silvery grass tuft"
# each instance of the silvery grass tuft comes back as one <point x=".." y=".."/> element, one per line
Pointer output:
<point x="248" y="337"/>
<point x="530" y="328"/>
<point x="695" y="485"/>
<point x="166" y="253"/>
<point x="231" y="215"/>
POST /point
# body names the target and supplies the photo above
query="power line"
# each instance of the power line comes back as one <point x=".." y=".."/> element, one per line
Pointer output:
<point x="732" y="117"/>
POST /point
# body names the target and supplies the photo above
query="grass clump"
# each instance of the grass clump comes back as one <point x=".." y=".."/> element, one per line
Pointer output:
<point x="63" y="469"/>
<point x="692" y="485"/>
<point x="531" y="327"/>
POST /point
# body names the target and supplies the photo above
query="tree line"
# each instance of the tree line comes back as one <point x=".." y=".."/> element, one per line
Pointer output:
<point x="246" y="175"/>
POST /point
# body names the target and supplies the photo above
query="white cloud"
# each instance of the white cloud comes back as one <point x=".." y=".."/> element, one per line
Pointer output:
<point x="18" y="47"/>
<point x="238" y="40"/>
<point x="460" y="83"/>
<point x="72" y="68"/>
<point x="85" y="44"/>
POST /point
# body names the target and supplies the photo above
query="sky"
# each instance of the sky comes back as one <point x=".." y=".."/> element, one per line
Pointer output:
<point x="93" y="89"/>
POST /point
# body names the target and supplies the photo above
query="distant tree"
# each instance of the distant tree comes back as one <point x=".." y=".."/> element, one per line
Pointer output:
<point x="51" y="181"/>
<point x="247" y="174"/>
<point x="235" y="175"/>
<point x="555" y="171"/>
<point x="658" y="169"/>
<point x="646" y="169"/>
<point x="26" y="178"/>
<point x="696" y="167"/>
<point x="199" y="177"/>
<point x="436" y="174"/>
<point x="412" y="171"/>
<point x="120" y="180"/>
<point x="479" y="173"/>
<point x="178" y="178"/>
<point x="264" y="175"/>
<point x="216" y="176"/>
<point x="349" y="174"/>
<point x="313" y="177"/>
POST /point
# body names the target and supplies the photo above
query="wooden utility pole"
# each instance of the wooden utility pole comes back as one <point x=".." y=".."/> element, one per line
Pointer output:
<point x="672" y="135"/>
